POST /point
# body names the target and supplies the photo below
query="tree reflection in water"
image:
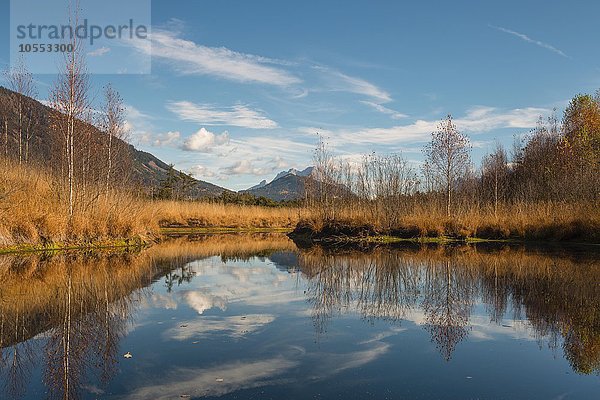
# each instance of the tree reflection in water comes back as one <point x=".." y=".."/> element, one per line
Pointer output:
<point x="80" y="304"/>
<point x="75" y="308"/>
<point x="92" y="316"/>
<point x="558" y="293"/>
<point x="16" y="362"/>
<point x="447" y="302"/>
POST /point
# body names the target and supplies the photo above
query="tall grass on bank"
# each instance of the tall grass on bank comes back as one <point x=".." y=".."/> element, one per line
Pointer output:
<point x="530" y="221"/>
<point x="34" y="210"/>
<point x="199" y="214"/>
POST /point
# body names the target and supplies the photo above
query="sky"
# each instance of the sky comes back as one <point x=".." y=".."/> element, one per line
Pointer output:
<point x="239" y="89"/>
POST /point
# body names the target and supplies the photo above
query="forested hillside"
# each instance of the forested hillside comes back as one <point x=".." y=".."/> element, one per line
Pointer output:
<point x="40" y="145"/>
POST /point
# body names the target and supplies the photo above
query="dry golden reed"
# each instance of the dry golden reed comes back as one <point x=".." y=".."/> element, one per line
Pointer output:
<point x="34" y="211"/>
<point x="537" y="221"/>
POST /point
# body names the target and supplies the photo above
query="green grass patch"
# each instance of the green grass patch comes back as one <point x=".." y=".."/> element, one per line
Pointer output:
<point x="136" y="243"/>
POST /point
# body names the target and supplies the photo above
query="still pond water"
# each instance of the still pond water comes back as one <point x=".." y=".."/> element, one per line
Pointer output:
<point x="255" y="317"/>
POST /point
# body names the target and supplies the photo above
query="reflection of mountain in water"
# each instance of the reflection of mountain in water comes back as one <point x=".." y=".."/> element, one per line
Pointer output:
<point x="286" y="261"/>
<point x="83" y="302"/>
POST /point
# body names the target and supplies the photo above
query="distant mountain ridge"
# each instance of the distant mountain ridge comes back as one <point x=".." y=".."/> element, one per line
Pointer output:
<point x="293" y="171"/>
<point x="287" y="185"/>
<point x="257" y="186"/>
<point x="148" y="171"/>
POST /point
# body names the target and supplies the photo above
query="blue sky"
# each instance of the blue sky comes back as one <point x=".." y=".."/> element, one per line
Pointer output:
<point x="239" y="89"/>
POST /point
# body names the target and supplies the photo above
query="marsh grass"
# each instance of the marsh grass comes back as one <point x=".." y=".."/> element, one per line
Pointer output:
<point x="559" y="221"/>
<point x="208" y="215"/>
<point x="34" y="212"/>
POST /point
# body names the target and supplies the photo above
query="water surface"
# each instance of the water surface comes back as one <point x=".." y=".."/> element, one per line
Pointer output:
<point x="254" y="317"/>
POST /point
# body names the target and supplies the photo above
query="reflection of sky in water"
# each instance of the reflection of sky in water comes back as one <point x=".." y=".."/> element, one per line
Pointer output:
<point x="244" y="329"/>
<point x="250" y="329"/>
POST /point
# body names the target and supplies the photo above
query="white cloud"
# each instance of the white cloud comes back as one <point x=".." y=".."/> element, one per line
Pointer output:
<point x="275" y="146"/>
<point x="312" y="131"/>
<point x="530" y="40"/>
<point x="384" y="110"/>
<point x="187" y="57"/>
<point x="258" y="167"/>
<point x="280" y="163"/>
<point x="165" y="139"/>
<point x="332" y="363"/>
<point x="235" y="326"/>
<point x="199" y="382"/>
<point x="483" y="119"/>
<point x="200" y="171"/>
<point x="139" y="125"/>
<point x="417" y="131"/>
<point x="248" y="285"/>
<point x="153" y="139"/>
<point x="246" y="167"/>
<point x="483" y="329"/>
<point x="476" y="120"/>
<point x="203" y="301"/>
<point x="338" y="81"/>
<point x="257" y="157"/>
<point x="99" y="52"/>
<point x="204" y="141"/>
<point x="163" y="301"/>
<point x="135" y="113"/>
<point x="238" y="115"/>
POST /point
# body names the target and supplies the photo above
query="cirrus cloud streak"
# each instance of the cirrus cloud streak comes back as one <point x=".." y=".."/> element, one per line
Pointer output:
<point x="476" y="120"/>
<point x="237" y="115"/>
<point x="190" y="58"/>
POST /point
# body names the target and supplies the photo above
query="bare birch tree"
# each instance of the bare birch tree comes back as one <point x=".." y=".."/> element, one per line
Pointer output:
<point x="322" y="180"/>
<point x="494" y="173"/>
<point x="448" y="156"/>
<point x="69" y="97"/>
<point x="112" y="123"/>
<point x="20" y="81"/>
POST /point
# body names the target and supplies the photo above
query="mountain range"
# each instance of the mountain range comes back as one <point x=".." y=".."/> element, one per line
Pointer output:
<point x="148" y="170"/>
<point x="287" y="185"/>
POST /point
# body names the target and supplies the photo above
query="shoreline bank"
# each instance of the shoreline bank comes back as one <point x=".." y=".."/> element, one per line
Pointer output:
<point x="336" y="232"/>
